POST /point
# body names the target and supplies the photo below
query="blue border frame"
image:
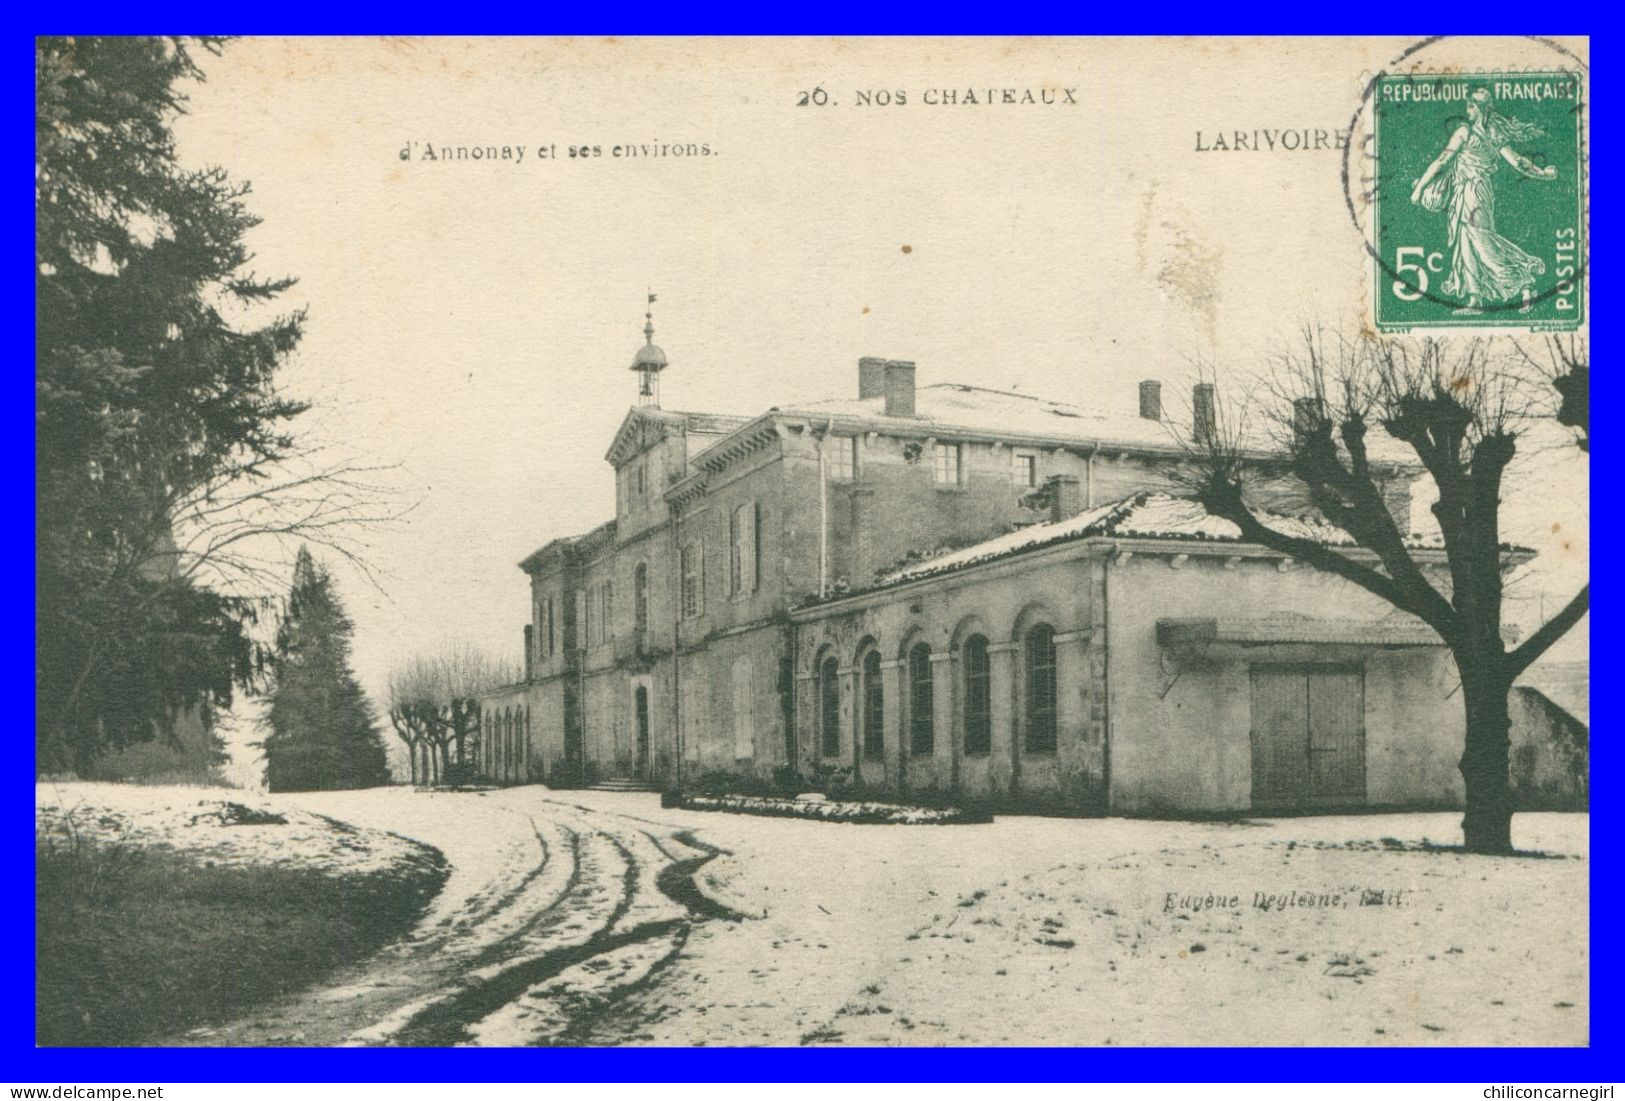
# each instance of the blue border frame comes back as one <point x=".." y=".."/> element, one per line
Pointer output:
<point x="23" y="1063"/>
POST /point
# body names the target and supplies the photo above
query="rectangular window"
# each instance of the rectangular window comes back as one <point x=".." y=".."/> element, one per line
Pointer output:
<point x="744" y="695"/>
<point x="608" y="623"/>
<point x="841" y="458"/>
<point x="640" y="602"/>
<point x="945" y="464"/>
<point x="1024" y="471"/>
<point x="693" y="568"/>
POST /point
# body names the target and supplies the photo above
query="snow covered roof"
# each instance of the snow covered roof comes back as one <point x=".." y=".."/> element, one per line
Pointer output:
<point x="1394" y="629"/>
<point x="1004" y="414"/>
<point x="958" y="409"/>
<point x="1143" y="516"/>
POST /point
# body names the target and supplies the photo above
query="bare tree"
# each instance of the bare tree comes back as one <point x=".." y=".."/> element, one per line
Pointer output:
<point x="434" y="707"/>
<point x="228" y="535"/>
<point x="412" y="709"/>
<point x="1459" y="409"/>
<point x="1565" y="362"/>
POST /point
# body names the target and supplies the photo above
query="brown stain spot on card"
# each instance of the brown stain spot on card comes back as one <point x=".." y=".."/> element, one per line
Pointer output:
<point x="866" y="310"/>
<point x="1556" y="528"/>
<point x="907" y="249"/>
<point x="1460" y="385"/>
<point x="1142" y="224"/>
<point x="1185" y="266"/>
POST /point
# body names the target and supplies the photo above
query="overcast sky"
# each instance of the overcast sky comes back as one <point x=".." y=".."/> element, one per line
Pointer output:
<point x="473" y="321"/>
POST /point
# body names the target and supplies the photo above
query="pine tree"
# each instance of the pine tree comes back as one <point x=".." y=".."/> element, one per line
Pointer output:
<point x="322" y="732"/>
<point x="145" y="393"/>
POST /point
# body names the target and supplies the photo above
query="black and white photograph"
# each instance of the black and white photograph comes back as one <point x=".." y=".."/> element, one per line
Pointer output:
<point x="811" y="542"/>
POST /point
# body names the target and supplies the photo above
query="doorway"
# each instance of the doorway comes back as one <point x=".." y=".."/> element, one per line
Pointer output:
<point x="1308" y="736"/>
<point x="640" y="707"/>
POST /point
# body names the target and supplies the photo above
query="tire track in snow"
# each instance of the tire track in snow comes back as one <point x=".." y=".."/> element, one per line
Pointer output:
<point x="566" y="912"/>
<point x="557" y="995"/>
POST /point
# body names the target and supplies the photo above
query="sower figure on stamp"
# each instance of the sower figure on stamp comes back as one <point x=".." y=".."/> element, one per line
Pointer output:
<point x="1485" y="267"/>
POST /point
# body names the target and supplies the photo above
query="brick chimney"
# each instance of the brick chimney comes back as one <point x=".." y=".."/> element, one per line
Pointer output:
<point x="871" y="377"/>
<point x="1151" y="399"/>
<point x="1065" y="498"/>
<point x="899" y="382"/>
<point x="1204" y="418"/>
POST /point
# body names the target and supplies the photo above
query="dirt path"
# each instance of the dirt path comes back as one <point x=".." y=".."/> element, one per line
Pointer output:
<point x="554" y="914"/>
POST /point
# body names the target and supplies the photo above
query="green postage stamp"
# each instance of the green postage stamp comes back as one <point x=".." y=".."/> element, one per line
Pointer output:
<point x="1480" y="201"/>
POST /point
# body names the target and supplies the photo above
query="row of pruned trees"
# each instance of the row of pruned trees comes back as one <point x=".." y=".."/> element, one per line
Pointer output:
<point x="434" y="707"/>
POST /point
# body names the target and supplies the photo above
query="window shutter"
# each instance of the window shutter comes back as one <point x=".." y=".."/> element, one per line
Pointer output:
<point x="755" y="545"/>
<point x="734" y="565"/>
<point x="743" y="702"/>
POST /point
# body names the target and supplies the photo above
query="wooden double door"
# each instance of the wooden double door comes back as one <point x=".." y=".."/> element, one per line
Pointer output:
<point x="1308" y="736"/>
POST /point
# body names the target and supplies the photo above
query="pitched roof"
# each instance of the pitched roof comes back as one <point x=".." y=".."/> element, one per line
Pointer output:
<point x="645" y="422"/>
<point x="1004" y="414"/>
<point x="588" y="542"/>
<point x="1143" y="516"/>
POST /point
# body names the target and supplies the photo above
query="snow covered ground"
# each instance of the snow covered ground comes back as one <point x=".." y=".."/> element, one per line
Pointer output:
<point x="569" y="917"/>
<point x="1063" y="932"/>
<point x="217" y="826"/>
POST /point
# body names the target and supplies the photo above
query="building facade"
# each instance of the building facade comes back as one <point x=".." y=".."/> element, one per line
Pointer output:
<point x="950" y="592"/>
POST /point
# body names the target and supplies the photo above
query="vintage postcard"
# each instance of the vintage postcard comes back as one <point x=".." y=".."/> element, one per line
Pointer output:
<point x="812" y="542"/>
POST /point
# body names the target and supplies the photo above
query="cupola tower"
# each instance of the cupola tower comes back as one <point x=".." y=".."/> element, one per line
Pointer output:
<point x="649" y="361"/>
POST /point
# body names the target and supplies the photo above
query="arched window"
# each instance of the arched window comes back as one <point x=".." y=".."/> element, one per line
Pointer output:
<point x="978" y="697"/>
<point x="874" y="711"/>
<point x="829" y="708"/>
<point x="640" y="602"/>
<point x="1039" y="652"/>
<point x="920" y="737"/>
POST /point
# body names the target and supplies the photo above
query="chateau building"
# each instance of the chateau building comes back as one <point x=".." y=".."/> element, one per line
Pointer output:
<point x="948" y="591"/>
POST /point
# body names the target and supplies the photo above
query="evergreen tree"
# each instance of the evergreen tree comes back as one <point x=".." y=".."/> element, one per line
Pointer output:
<point x="323" y="735"/>
<point x="146" y="396"/>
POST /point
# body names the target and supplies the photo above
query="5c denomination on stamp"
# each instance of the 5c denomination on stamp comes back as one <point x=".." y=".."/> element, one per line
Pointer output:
<point x="1479" y="201"/>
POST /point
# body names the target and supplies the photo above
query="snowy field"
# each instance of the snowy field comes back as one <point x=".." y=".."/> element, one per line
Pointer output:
<point x="216" y="826"/>
<point x="601" y="918"/>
